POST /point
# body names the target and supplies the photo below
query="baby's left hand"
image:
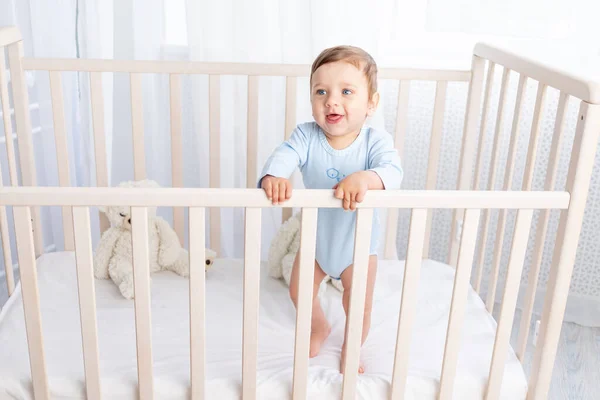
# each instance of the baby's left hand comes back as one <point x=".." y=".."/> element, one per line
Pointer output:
<point x="352" y="189"/>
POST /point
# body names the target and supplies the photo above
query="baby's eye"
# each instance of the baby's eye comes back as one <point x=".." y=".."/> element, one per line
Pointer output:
<point x="320" y="92"/>
<point x="347" y="91"/>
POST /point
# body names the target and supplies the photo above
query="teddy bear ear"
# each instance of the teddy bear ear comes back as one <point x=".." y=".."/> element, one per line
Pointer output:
<point x="102" y="209"/>
<point x="210" y="253"/>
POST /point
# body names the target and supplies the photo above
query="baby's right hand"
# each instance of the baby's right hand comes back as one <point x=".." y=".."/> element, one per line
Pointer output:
<point x="277" y="189"/>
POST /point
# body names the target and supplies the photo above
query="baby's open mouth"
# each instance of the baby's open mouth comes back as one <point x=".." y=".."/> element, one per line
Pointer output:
<point x="334" y="118"/>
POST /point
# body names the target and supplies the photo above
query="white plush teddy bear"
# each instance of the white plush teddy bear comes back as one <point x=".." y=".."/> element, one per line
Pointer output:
<point x="113" y="256"/>
<point x="282" y="253"/>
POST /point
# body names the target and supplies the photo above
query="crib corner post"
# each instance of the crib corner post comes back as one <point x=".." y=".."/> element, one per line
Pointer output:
<point x="569" y="229"/>
<point x="467" y="148"/>
<point x="9" y="35"/>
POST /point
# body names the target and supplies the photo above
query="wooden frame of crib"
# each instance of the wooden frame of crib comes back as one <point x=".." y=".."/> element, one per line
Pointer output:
<point x="467" y="203"/>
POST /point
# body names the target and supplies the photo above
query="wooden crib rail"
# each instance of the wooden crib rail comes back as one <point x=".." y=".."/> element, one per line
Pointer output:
<point x="586" y="90"/>
<point x="224" y="68"/>
<point x="78" y="200"/>
<point x="255" y="198"/>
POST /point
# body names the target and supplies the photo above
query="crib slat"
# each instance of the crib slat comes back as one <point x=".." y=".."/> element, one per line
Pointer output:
<point x="509" y="301"/>
<point x="251" y="301"/>
<point x="467" y="148"/>
<point x="569" y="228"/>
<point x="25" y="140"/>
<point x="434" y="152"/>
<point x="87" y="300"/>
<point x="400" y="132"/>
<point x="534" y="137"/>
<point x="402" y="116"/>
<point x="197" y="223"/>
<point x="409" y="300"/>
<point x="290" y="123"/>
<point x="10" y="148"/>
<point x="8" y="265"/>
<point x="459" y="300"/>
<point x="479" y="168"/>
<point x="498" y="244"/>
<point x="97" y="101"/>
<point x="494" y="166"/>
<point x="137" y="127"/>
<point x="291" y="87"/>
<point x="542" y="227"/>
<point x="391" y="252"/>
<point x="356" y="310"/>
<point x="484" y="122"/>
<point x="31" y="301"/>
<point x="252" y="146"/>
<point x="176" y="150"/>
<point x="308" y="238"/>
<point x="62" y="153"/>
<point x="141" y="288"/>
<point x="5" y="236"/>
<point x="214" y="108"/>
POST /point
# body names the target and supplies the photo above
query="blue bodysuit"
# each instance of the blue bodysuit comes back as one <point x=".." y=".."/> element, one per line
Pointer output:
<point x="322" y="167"/>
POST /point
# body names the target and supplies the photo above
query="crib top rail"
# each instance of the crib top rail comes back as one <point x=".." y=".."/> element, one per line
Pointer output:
<point x="255" y="198"/>
<point x="223" y="68"/>
<point x="574" y="84"/>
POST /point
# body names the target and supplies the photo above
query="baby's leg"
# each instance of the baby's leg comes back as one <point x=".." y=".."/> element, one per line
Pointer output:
<point x="347" y="283"/>
<point x="319" y="327"/>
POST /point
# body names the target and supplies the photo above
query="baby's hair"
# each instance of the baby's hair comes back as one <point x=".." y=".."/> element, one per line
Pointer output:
<point x="352" y="55"/>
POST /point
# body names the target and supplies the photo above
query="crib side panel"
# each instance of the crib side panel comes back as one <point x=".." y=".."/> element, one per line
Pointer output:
<point x="586" y="95"/>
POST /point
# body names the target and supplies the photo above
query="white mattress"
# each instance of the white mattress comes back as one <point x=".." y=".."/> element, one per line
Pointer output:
<point x="170" y="336"/>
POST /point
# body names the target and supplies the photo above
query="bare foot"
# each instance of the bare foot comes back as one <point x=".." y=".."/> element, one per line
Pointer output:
<point x="361" y="368"/>
<point x="318" y="334"/>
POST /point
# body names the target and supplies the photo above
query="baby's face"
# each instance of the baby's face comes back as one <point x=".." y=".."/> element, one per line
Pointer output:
<point x="340" y="99"/>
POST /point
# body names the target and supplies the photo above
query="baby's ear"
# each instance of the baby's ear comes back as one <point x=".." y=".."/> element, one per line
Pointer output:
<point x="373" y="103"/>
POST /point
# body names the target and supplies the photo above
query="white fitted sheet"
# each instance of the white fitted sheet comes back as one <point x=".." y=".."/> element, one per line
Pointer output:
<point x="170" y="337"/>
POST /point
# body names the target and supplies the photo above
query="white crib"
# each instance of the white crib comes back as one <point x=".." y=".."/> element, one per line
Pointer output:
<point x="54" y="371"/>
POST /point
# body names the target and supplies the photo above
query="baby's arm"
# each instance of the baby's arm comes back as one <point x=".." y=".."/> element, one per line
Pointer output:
<point x="385" y="172"/>
<point x="384" y="160"/>
<point x="280" y="165"/>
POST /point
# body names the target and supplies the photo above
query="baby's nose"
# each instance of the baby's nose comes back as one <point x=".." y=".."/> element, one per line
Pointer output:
<point x="332" y="101"/>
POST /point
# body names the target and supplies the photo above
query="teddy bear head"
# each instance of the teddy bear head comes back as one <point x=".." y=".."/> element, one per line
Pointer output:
<point x="120" y="216"/>
<point x="210" y="257"/>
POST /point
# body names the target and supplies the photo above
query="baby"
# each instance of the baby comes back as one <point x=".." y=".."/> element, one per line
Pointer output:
<point x="337" y="151"/>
